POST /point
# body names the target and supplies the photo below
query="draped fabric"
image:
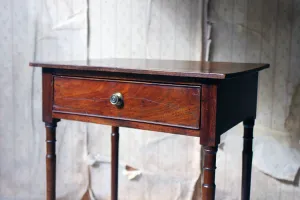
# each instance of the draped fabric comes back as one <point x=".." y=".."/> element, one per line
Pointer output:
<point x="50" y="30"/>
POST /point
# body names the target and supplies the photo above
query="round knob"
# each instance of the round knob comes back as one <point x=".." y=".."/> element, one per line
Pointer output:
<point x="116" y="99"/>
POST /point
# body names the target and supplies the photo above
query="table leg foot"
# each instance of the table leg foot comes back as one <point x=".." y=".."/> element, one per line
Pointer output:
<point x="247" y="158"/>
<point x="208" y="170"/>
<point x="114" y="162"/>
<point x="51" y="158"/>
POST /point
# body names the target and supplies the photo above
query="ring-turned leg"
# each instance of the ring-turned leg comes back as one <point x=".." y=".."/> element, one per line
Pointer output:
<point x="114" y="162"/>
<point x="209" y="168"/>
<point x="247" y="158"/>
<point x="51" y="158"/>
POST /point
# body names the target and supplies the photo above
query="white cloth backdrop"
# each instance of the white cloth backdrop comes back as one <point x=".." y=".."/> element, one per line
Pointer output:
<point x="58" y="30"/>
<point x="146" y="29"/>
<point x="265" y="31"/>
<point x="33" y="29"/>
<point x="168" y="165"/>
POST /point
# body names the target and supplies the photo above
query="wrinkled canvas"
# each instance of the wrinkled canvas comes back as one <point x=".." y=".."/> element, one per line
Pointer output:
<point x="78" y="29"/>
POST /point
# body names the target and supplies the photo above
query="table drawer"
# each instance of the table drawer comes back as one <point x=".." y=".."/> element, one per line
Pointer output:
<point x="171" y="105"/>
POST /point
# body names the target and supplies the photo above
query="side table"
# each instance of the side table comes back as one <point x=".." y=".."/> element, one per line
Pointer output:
<point x="192" y="98"/>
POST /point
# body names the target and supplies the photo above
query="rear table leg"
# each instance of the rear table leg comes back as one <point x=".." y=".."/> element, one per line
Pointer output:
<point x="247" y="159"/>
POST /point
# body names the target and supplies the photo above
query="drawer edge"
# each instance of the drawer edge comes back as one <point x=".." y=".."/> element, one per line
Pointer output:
<point x="129" y="124"/>
<point x="127" y="119"/>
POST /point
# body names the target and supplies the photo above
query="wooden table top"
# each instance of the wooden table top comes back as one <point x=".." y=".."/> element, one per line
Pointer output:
<point x="192" y="69"/>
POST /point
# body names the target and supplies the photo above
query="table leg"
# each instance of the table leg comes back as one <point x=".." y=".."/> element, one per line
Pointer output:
<point x="247" y="159"/>
<point x="114" y="162"/>
<point x="209" y="168"/>
<point x="51" y="158"/>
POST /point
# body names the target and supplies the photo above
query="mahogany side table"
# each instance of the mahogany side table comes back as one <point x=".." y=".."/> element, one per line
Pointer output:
<point x="192" y="98"/>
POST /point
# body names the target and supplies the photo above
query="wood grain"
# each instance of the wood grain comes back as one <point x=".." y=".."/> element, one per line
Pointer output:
<point x="209" y="170"/>
<point x="128" y="124"/>
<point x="208" y="135"/>
<point x="170" y="105"/>
<point x="114" y="162"/>
<point x="196" y="69"/>
<point x="51" y="159"/>
<point x="186" y="101"/>
<point x="47" y="84"/>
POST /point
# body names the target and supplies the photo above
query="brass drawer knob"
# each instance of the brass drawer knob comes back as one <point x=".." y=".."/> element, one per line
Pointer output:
<point x="116" y="99"/>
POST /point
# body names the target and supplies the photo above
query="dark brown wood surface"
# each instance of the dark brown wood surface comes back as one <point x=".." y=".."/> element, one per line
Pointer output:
<point x="236" y="101"/>
<point x="208" y="135"/>
<point x="129" y="124"/>
<point x="209" y="171"/>
<point x="197" y="69"/>
<point x="162" y="104"/>
<point x="47" y="85"/>
<point x="247" y="158"/>
<point x="182" y="97"/>
<point x="51" y="159"/>
<point x="114" y="162"/>
<point x="50" y="125"/>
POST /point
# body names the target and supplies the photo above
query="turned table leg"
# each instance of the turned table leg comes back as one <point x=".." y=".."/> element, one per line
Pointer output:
<point x="114" y="162"/>
<point x="51" y="158"/>
<point x="209" y="168"/>
<point x="247" y="159"/>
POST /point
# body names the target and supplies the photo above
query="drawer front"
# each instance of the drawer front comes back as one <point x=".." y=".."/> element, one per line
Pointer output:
<point x="162" y="104"/>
